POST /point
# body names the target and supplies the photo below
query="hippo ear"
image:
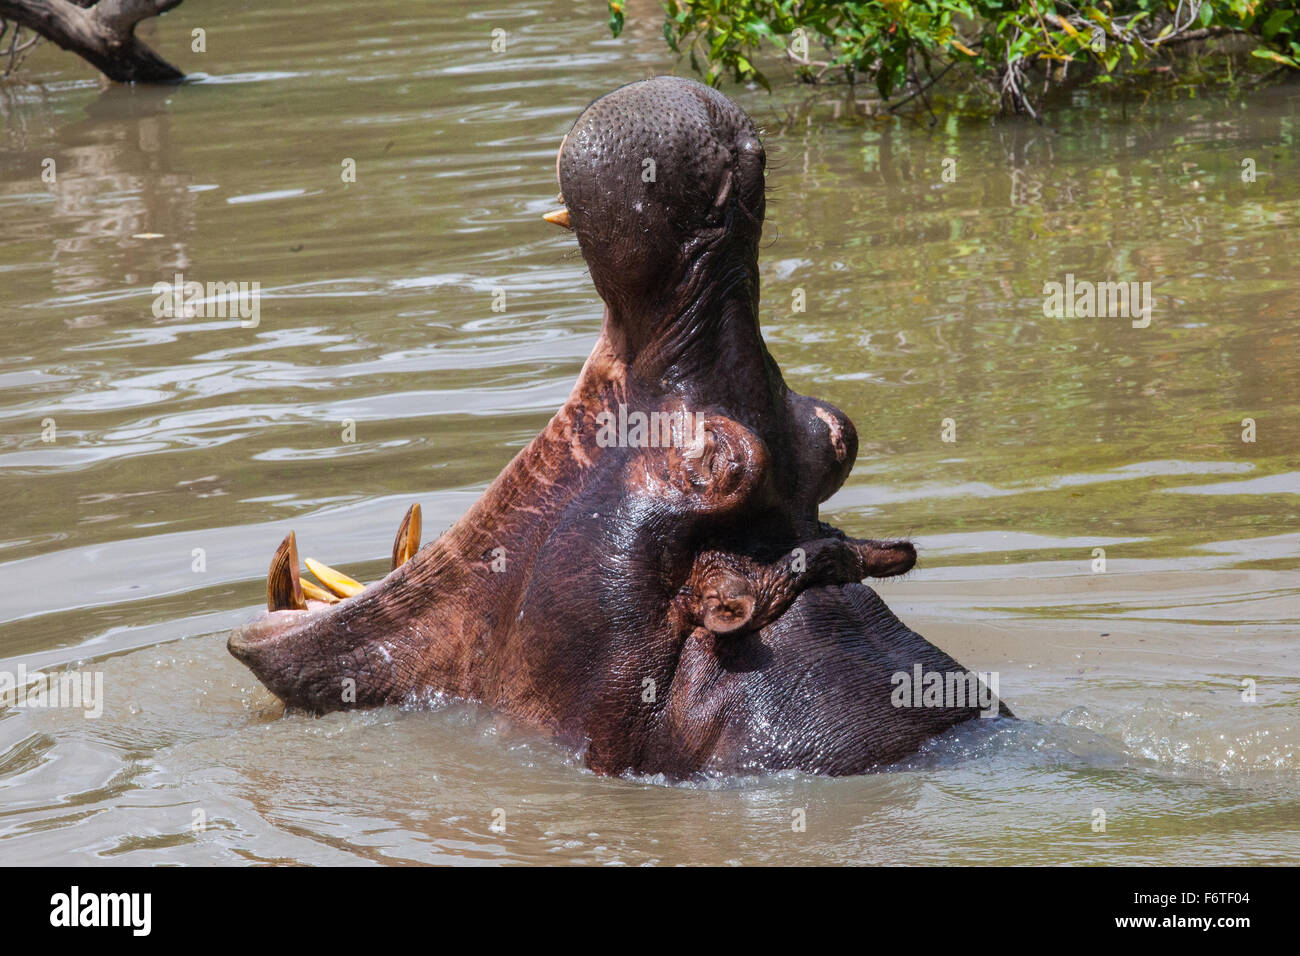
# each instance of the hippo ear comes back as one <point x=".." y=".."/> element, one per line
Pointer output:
<point x="728" y="604"/>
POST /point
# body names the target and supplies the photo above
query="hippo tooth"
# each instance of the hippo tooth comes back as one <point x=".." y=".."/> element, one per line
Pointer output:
<point x="283" y="586"/>
<point x="560" y="217"/>
<point x="318" y="594"/>
<point x="408" y="537"/>
<point x="336" y="581"/>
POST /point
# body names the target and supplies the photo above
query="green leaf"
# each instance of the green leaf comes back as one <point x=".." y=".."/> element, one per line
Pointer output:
<point x="1275" y="57"/>
<point x="670" y="37"/>
<point x="1275" y="23"/>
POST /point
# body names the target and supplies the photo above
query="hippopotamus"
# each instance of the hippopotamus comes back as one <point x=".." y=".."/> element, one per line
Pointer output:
<point x="648" y="581"/>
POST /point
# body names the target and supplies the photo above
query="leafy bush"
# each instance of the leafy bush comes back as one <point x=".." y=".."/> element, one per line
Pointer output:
<point x="909" y="44"/>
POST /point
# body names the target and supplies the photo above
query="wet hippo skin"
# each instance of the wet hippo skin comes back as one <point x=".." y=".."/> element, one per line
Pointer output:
<point x="649" y="579"/>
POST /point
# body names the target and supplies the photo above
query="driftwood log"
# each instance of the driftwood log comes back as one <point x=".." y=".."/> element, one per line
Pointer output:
<point x="102" y="34"/>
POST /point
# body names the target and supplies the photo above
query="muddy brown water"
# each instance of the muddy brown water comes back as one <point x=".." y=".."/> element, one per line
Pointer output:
<point x="185" y="447"/>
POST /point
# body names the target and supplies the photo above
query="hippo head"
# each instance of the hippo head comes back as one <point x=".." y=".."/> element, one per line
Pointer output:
<point x="649" y="579"/>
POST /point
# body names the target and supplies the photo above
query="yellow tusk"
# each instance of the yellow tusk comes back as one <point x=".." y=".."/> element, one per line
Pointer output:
<point x="560" y="217"/>
<point x="318" y="594"/>
<point x="336" y="581"/>
<point x="408" y="537"/>
<point x="283" y="586"/>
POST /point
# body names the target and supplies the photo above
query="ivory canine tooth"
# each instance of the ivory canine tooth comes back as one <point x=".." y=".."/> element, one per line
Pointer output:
<point x="408" y="537"/>
<point x="283" y="586"/>
<point x="318" y="593"/>
<point x="336" y="581"/>
<point x="560" y="217"/>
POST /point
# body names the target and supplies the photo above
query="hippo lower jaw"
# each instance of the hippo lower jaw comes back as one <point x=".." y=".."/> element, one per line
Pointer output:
<point x="343" y="644"/>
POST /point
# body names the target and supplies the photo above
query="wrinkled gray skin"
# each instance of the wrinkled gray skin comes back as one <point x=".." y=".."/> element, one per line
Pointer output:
<point x="666" y="612"/>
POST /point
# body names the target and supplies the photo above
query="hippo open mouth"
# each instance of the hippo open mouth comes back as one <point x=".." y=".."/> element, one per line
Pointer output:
<point x="649" y="576"/>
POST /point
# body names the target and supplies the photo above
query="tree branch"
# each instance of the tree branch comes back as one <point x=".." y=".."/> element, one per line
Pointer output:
<point x="103" y="35"/>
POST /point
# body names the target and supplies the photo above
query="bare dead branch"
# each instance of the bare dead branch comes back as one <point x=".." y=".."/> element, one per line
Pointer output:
<point x="103" y="35"/>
